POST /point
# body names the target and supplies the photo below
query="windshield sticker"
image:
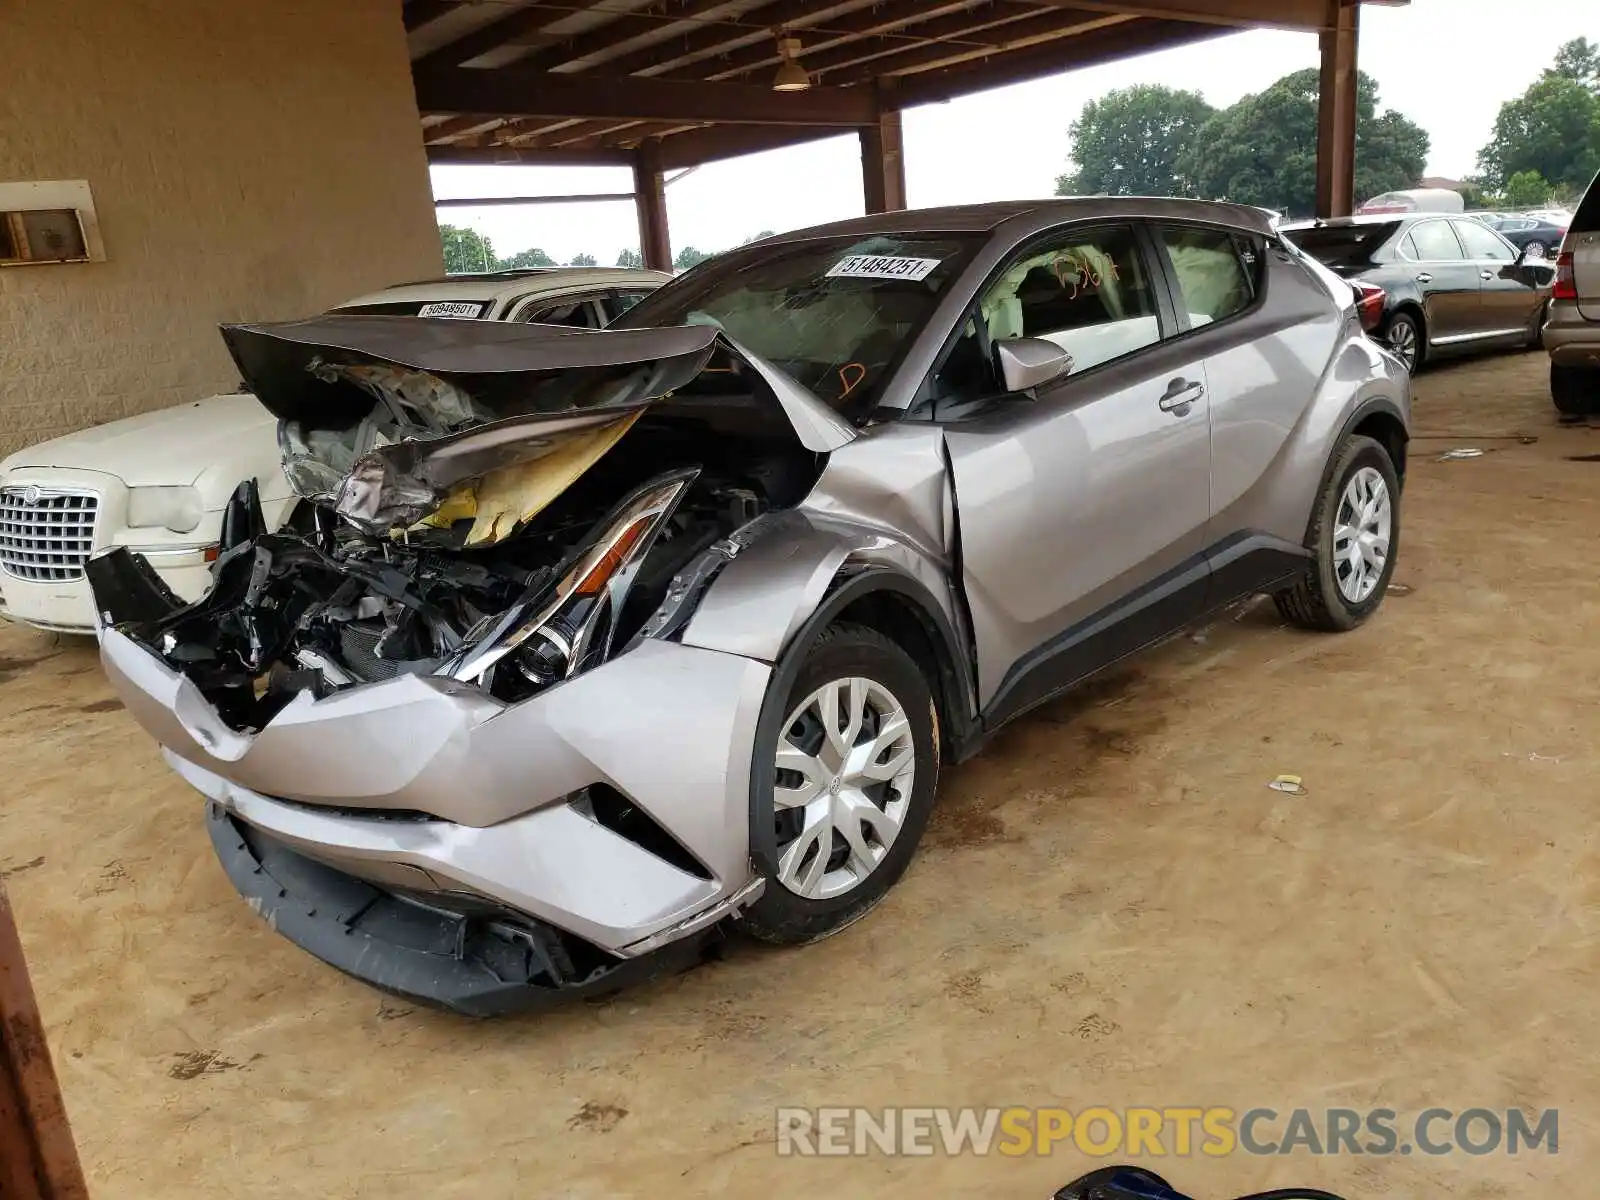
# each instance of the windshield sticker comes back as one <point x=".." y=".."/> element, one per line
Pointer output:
<point x="460" y="310"/>
<point x="875" y="266"/>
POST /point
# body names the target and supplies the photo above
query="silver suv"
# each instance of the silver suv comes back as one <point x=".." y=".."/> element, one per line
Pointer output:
<point x="1572" y="333"/>
<point x="602" y="641"/>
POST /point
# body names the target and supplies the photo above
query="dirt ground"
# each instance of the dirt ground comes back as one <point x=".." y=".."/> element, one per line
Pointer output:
<point x="1111" y="908"/>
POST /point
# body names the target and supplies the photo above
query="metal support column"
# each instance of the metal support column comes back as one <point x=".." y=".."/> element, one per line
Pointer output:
<point x="1336" y="110"/>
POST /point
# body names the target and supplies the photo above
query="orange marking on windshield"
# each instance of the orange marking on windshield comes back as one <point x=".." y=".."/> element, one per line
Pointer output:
<point x="846" y="382"/>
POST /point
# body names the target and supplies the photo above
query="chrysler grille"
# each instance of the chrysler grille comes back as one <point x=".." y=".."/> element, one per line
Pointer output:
<point x="46" y="534"/>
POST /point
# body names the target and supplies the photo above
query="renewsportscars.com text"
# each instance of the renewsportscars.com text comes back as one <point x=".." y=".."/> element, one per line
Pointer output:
<point x="1102" y="1132"/>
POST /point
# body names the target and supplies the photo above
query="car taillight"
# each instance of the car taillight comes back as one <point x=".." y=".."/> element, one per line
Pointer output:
<point x="1566" y="284"/>
<point x="1370" y="301"/>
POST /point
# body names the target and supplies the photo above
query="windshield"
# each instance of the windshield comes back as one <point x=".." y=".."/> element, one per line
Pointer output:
<point x="837" y="314"/>
<point x="1342" y="245"/>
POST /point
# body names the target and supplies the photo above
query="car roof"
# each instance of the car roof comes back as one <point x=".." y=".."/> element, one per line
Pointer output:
<point x="1366" y="219"/>
<point x="497" y="285"/>
<point x="986" y="218"/>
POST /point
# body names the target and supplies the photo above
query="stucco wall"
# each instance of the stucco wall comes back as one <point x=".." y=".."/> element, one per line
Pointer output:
<point x="249" y="161"/>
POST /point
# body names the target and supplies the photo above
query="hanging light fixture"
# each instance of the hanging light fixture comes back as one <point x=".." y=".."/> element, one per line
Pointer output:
<point x="791" y="76"/>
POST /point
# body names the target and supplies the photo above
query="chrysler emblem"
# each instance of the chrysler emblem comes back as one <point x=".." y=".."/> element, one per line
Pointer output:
<point x="31" y="495"/>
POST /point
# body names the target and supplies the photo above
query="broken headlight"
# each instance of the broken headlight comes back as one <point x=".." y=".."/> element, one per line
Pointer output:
<point x="176" y="508"/>
<point x="568" y="627"/>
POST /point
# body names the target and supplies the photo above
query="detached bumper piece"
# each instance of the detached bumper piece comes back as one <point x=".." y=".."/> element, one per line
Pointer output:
<point x="476" y="963"/>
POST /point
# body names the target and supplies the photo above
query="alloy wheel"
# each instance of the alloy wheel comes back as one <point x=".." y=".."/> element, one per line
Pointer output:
<point x="1403" y="341"/>
<point x="1361" y="532"/>
<point x="846" y="763"/>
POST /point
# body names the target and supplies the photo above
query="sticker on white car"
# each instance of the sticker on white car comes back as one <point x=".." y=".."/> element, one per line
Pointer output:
<point x="461" y="310"/>
<point x="876" y="266"/>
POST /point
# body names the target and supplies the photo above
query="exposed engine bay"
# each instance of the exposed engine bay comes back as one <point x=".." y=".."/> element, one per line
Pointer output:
<point x="506" y="516"/>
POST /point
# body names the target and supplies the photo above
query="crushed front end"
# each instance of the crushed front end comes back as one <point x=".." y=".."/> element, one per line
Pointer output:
<point x="448" y="739"/>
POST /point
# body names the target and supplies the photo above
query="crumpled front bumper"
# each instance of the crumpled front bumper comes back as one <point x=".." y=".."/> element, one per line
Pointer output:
<point x="428" y="787"/>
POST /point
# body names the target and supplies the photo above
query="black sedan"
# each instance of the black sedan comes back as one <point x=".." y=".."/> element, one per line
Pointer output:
<point x="1539" y="237"/>
<point x="1451" y="284"/>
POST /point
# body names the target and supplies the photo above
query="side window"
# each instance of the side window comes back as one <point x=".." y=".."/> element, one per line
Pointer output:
<point x="1086" y="291"/>
<point x="578" y="314"/>
<point x="620" y="302"/>
<point x="1408" y="248"/>
<point x="1435" y="242"/>
<point x="1482" y="245"/>
<point x="1214" y="279"/>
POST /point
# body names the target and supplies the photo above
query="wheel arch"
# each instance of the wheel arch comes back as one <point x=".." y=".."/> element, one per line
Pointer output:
<point x="900" y="608"/>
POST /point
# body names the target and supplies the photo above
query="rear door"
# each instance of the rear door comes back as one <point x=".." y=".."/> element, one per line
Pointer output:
<point x="1448" y="282"/>
<point x="1583" y="240"/>
<point x="1082" y="510"/>
<point x="1508" y="294"/>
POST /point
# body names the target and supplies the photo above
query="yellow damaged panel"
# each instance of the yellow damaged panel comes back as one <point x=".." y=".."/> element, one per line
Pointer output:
<point x="503" y="500"/>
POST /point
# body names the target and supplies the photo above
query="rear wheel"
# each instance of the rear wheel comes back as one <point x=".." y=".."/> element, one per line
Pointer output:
<point x="1536" y="332"/>
<point x="1355" y="531"/>
<point x="1404" y="335"/>
<point x="855" y="765"/>
<point x="1575" y="390"/>
<point x="1535" y="249"/>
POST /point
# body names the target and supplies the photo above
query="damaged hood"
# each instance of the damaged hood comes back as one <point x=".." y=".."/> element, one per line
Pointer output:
<point x="388" y="419"/>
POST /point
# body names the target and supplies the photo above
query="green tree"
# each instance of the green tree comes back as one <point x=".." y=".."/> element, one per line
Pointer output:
<point x="1553" y="128"/>
<point x="525" y="258"/>
<point x="1579" y="60"/>
<point x="688" y="257"/>
<point x="1133" y="142"/>
<point x="630" y="258"/>
<point x="465" y="250"/>
<point x="1263" y="150"/>
<point x="582" y="260"/>
<point x="1527" y="189"/>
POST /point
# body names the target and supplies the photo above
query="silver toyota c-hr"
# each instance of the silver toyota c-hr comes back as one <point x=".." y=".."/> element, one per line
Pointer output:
<point x="588" y="645"/>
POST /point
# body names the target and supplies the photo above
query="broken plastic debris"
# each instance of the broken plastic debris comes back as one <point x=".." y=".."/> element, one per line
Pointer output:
<point x="1400" y="589"/>
<point x="1288" y="783"/>
<point x="1461" y="452"/>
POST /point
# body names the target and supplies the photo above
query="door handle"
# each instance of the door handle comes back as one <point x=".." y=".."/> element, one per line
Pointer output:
<point x="1180" y="394"/>
<point x="1424" y="277"/>
<point x="1485" y="274"/>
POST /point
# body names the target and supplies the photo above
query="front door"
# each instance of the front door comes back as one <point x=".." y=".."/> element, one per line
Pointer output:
<point x="1448" y="282"/>
<point x="1082" y="511"/>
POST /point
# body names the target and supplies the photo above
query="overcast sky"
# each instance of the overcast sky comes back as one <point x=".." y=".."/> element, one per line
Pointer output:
<point x="1446" y="64"/>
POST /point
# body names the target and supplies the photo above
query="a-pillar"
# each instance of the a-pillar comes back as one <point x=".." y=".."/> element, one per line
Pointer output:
<point x="1336" y="110"/>
<point x="650" y="199"/>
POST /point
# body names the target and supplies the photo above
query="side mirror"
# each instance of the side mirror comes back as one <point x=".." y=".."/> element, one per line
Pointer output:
<point x="1027" y="363"/>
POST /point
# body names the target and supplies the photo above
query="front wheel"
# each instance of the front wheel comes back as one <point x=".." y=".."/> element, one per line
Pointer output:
<point x="1355" y="531"/>
<point x="850" y="786"/>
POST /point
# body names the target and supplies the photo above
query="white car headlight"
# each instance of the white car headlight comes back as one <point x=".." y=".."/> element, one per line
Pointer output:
<point x="177" y="508"/>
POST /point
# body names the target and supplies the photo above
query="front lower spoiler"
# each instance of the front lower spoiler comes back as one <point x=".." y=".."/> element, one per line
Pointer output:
<point x="431" y="956"/>
<point x="420" y="785"/>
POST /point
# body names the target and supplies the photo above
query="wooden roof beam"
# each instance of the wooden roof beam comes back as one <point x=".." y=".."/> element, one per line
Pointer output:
<point x="516" y="91"/>
<point x="1052" y="58"/>
<point x="755" y="28"/>
<point x="956" y="36"/>
<point x="506" y="156"/>
<point x="626" y="28"/>
<point x="418" y="13"/>
<point x="1235" y="14"/>
<point x="882" y="22"/>
<point x="1011" y="38"/>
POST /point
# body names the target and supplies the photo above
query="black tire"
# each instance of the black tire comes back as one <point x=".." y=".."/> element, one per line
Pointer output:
<point x="1575" y="390"/>
<point x="784" y="916"/>
<point x="1408" y="323"/>
<point x="1315" y="600"/>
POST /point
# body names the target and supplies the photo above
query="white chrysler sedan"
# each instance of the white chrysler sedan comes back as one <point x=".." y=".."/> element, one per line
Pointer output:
<point x="158" y="482"/>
